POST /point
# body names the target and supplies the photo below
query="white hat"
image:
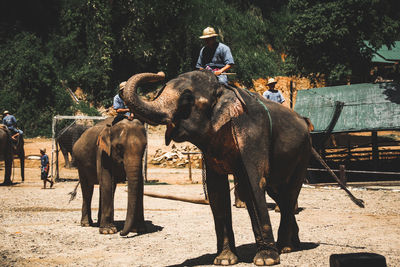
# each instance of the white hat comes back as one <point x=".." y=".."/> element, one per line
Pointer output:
<point x="6" y="112"/>
<point x="208" y="33"/>
<point x="271" y="80"/>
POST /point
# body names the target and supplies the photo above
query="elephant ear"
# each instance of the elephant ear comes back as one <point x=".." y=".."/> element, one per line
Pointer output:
<point x="104" y="140"/>
<point x="227" y="107"/>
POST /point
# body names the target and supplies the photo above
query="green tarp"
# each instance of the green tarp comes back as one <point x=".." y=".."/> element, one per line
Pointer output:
<point x="386" y="54"/>
<point x="367" y="107"/>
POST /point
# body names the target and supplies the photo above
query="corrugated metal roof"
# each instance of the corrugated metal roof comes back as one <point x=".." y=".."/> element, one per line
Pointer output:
<point x="367" y="107"/>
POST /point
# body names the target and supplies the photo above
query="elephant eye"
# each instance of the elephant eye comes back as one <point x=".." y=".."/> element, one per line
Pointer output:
<point x="185" y="103"/>
<point x="119" y="150"/>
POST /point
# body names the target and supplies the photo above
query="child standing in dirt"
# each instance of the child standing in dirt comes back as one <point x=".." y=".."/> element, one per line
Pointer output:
<point x="44" y="160"/>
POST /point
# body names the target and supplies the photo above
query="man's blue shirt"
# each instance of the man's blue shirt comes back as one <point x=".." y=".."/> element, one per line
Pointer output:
<point x="274" y="95"/>
<point x="119" y="103"/>
<point x="10" y="121"/>
<point x="216" y="60"/>
<point x="44" y="160"/>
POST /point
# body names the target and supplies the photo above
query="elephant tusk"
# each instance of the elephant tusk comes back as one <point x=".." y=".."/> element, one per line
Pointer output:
<point x="168" y="132"/>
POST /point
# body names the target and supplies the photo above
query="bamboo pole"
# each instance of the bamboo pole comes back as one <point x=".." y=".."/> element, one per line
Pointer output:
<point x="184" y="199"/>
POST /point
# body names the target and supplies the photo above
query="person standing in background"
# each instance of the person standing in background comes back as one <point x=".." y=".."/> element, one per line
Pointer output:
<point x="272" y="93"/>
<point x="44" y="168"/>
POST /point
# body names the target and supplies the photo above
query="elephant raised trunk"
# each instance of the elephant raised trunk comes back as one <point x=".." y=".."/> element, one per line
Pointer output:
<point x="153" y="112"/>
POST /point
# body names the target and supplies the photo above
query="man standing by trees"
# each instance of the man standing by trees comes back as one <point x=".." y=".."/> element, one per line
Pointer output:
<point x="215" y="56"/>
<point x="272" y="93"/>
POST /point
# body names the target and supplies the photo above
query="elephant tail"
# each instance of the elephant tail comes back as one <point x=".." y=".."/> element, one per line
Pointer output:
<point x="309" y="124"/>
<point x="73" y="192"/>
<point x="357" y="201"/>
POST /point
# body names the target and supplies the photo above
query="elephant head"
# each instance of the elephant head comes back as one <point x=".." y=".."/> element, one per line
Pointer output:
<point x="193" y="105"/>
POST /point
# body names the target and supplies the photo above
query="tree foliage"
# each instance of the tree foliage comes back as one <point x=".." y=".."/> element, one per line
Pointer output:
<point x="328" y="37"/>
<point x="48" y="46"/>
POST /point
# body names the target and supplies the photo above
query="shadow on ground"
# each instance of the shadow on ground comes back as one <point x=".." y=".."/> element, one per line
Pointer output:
<point x="150" y="228"/>
<point x="246" y="254"/>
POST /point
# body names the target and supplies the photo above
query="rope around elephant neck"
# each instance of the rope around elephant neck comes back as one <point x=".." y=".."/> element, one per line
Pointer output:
<point x="264" y="106"/>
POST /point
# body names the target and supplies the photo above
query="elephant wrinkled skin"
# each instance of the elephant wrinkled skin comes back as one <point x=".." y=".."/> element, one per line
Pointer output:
<point x="107" y="155"/>
<point x="66" y="141"/>
<point x="264" y="145"/>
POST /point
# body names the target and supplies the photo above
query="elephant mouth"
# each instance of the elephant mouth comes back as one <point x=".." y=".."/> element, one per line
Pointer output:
<point x="170" y="132"/>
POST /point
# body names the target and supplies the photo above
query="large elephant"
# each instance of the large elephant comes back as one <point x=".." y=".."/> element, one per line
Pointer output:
<point x="9" y="148"/>
<point x="108" y="154"/>
<point x="264" y="145"/>
<point x="66" y="140"/>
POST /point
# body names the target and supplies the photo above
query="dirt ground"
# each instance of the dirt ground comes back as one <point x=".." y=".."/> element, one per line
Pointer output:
<point x="41" y="228"/>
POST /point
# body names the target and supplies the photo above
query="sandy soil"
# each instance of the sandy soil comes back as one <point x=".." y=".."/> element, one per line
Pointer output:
<point x="40" y="228"/>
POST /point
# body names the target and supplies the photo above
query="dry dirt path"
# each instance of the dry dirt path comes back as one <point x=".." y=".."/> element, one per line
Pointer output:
<point x="40" y="228"/>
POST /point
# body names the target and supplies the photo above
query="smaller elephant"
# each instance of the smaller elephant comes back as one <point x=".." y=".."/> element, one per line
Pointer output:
<point x="66" y="140"/>
<point x="108" y="154"/>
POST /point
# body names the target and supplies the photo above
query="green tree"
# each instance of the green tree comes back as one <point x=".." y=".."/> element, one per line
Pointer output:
<point x="29" y="88"/>
<point x="328" y="37"/>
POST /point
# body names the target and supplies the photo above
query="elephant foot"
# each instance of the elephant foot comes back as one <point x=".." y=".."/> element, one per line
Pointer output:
<point x="139" y="228"/>
<point x="108" y="229"/>
<point x="239" y="203"/>
<point x="8" y="182"/>
<point x="266" y="258"/>
<point x="287" y="248"/>
<point x="86" y="223"/>
<point x="226" y="257"/>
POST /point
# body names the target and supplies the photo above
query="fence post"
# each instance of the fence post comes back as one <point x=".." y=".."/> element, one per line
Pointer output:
<point x="53" y="133"/>
<point x="144" y="168"/>
<point x="375" y="149"/>
<point x="342" y="174"/>
<point x="190" y="168"/>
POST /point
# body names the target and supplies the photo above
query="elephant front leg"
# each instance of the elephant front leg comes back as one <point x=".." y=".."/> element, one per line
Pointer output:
<point x="267" y="252"/>
<point x="135" y="212"/>
<point x="106" y="211"/>
<point x="220" y="202"/>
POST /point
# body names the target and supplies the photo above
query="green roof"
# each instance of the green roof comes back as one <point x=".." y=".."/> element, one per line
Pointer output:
<point x="367" y="107"/>
<point x="386" y="54"/>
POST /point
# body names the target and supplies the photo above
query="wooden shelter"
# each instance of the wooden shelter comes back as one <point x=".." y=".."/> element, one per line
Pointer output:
<point x="357" y="126"/>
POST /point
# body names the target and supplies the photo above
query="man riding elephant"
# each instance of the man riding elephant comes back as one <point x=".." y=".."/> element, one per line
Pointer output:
<point x="11" y="122"/>
<point x="215" y="56"/>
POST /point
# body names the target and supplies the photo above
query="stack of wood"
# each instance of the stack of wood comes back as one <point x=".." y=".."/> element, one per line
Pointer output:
<point x="176" y="157"/>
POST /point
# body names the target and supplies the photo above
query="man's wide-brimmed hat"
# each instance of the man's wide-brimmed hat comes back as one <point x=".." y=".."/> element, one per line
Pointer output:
<point x="122" y="85"/>
<point x="208" y="33"/>
<point x="271" y="81"/>
<point x="43" y="150"/>
<point x="6" y="112"/>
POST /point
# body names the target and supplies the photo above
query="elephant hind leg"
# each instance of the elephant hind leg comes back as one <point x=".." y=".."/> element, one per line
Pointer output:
<point x="288" y="233"/>
<point x="87" y="193"/>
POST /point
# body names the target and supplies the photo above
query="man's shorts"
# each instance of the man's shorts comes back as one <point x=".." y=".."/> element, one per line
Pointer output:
<point x="44" y="175"/>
